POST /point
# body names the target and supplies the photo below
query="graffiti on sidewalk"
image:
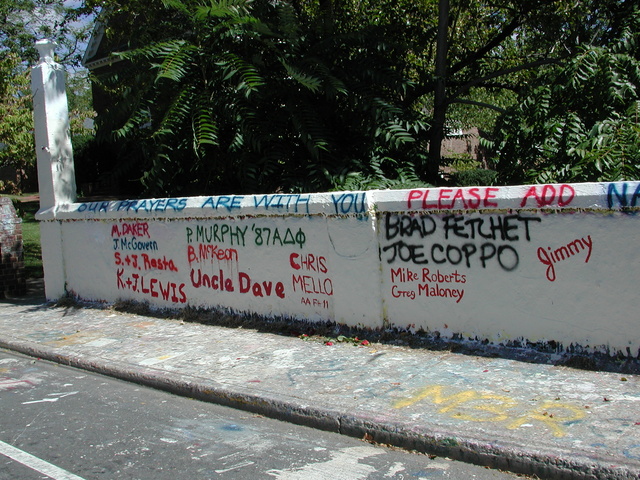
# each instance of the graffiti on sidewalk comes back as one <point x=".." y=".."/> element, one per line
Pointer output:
<point x="14" y="375"/>
<point x="13" y="383"/>
<point x="476" y="406"/>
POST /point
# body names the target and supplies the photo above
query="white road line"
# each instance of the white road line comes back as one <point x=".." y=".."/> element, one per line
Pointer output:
<point x="44" y="400"/>
<point x="62" y="395"/>
<point x="35" y="463"/>
<point x="245" y="463"/>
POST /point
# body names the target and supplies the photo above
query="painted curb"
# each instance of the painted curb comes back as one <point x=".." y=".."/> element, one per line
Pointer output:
<point x="454" y="445"/>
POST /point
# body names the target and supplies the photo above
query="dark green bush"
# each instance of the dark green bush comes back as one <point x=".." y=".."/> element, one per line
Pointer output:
<point x="476" y="176"/>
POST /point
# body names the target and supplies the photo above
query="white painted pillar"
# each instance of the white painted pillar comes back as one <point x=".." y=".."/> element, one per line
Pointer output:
<point x="56" y="173"/>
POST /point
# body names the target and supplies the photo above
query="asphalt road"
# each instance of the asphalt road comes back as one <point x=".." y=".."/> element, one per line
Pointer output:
<point x="67" y="424"/>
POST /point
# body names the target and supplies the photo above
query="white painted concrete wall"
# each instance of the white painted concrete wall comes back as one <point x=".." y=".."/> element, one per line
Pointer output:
<point x="535" y="263"/>
<point x="539" y="263"/>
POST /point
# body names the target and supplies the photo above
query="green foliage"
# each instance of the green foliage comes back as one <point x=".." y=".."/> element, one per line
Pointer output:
<point x="26" y="209"/>
<point x="579" y="123"/>
<point x="261" y="96"/>
<point x="80" y="103"/>
<point x="253" y="96"/>
<point x="379" y="174"/>
<point x="495" y="49"/>
<point x="459" y="162"/>
<point x="472" y="177"/>
<point x="612" y="147"/>
<point x="22" y="22"/>
<point x="17" y="146"/>
<point x="467" y="171"/>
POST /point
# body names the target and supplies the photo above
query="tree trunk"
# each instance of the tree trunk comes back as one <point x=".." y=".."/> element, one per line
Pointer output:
<point x="440" y="100"/>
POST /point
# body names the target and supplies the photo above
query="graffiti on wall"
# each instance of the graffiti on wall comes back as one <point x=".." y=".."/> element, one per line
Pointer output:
<point x="347" y="203"/>
<point x="549" y="257"/>
<point x="623" y="195"/>
<point x="260" y="258"/>
<point x="432" y="255"/>
<point x="451" y="236"/>
<point x="472" y="198"/>
<point x="138" y="206"/>
<point x="285" y="203"/>
<point x="426" y="255"/>
<point x="138" y="261"/>
<point x="618" y="195"/>
<point x="214" y="253"/>
<point x="486" y="239"/>
<point x="343" y="203"/>
<point x="406" y="256"/>
<point x="311" y="279"/>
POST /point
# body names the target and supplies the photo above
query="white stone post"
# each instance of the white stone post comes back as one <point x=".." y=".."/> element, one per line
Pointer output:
<point x="56" y="173"/>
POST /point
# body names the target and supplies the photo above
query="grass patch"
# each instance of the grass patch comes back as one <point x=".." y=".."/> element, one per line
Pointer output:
<point x="26" y="209"/>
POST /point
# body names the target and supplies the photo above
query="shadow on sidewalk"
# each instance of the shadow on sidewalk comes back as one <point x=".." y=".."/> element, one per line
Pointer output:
<point x="34" y="296"/>
<point x="549" y="353"/>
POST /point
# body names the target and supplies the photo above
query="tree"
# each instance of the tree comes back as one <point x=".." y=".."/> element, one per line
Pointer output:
<point x="17" y="148"/>
<point x="266" y="96"/>
<point x="332" y="94"/>
<point x="22" y="22"/>
<point x="487" y="49"/>
<point x="578" y="122"/>
<point x="80" y="103"/>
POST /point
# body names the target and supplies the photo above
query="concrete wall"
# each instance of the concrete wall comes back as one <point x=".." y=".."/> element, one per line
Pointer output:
<point x="539" y="263"/>
<point x="526" y="263"/>
<point x="12" y="278"/>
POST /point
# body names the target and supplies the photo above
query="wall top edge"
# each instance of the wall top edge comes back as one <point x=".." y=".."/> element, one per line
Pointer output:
<point x="612" y="196"/>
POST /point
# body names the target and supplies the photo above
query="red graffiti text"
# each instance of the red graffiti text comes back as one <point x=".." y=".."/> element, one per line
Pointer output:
<point x="137" y="229"/>
<point x="152" y="287"/>
<point x="549" y="195"/>
<point x="449" y="198"/>
<point x="550" y="257"/>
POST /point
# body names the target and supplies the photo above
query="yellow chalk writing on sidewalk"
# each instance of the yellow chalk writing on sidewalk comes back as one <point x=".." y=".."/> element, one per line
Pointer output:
<point x="475" y="406"/>
<point x="547" y="413"/>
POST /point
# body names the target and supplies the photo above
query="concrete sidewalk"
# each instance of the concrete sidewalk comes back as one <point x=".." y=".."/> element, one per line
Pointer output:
<point x="550" y="421"/>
